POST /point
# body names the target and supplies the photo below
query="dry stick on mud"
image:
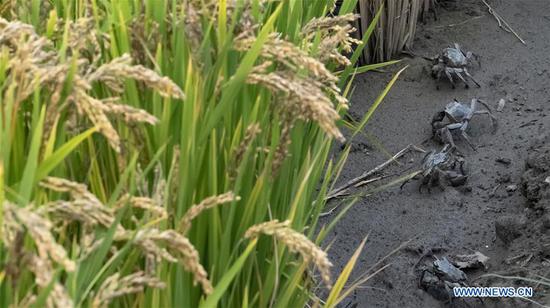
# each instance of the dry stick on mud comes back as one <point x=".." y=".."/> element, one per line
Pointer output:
<point x="459" y="24"/>
<point x="378" y="178"/>
<point x="342" y="190"/>
<point x="375" y="190"/>
<point x="502" y="23"/>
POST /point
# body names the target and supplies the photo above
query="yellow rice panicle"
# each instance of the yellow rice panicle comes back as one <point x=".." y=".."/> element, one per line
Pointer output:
<point x="328" y="23"/>
<point x="129" y="114"/>
<point x="44" y="273"/>
<point x="40" y="230"/>
<point x="111" y="74"/>
<point x="189" y="257"/>
<point x="116" y="286"/>
<point x="208" y="203"/>
<point x="296" y="242"/>
<point x="76" y="190"/>
<point x="145" y="203"/>
<point x="170" y="246"/>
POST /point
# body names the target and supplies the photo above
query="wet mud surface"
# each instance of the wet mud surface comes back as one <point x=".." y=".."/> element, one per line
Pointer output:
<point x="503" y="210"/>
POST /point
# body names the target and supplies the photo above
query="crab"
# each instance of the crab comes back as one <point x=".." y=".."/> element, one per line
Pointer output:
<point x="443" y="164"/>
<point x="441" y="278"/>
<point x="453" y="61"/>
<point x="459" y="116"/>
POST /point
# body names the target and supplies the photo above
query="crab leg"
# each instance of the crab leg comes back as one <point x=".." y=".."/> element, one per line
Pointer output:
<point x="447" y="137"/>
<point x="473" y="106"/>
<point x="438" y="79"/>
<point x="404" y="183"/>
<point x="463" y="127"/>
<point x="461" y="165"/>
<point x="450" y="76"/>
<point x="446" y="132"/>
<point x="491" y="117"/>
<point x="465" y="136"/>
<point x="471" y="77"/>
<point x="494" y="121"/>
<point x="438" y="117"/>
<point x="466" y="85"/>
<point x="455" y="178"/>
<point x="422" y="184"/>
<point x="436" y="178"/>
<point x="484" y="103"/>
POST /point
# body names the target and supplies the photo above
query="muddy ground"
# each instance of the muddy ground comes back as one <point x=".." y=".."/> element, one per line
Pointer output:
<point x="511" y="227"/>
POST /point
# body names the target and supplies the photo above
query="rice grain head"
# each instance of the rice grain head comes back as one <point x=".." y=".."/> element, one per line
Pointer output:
<point x="175" y="174"/>
<point x="252" y="131"/>
<point x="76" y="190"/>
<point x="84" y="207"/>
<point x="114" y="72"/>
<point x="327" y="23"/>
<point x="295" y="59"/>
<point x="129" y="114"/>
<point x="304" y="100"/>
<point x="93" y="109"/>
<point x="178" y="248"/>
<point x="40" y="230"/>
<point x="296" y="242"/>
<point x="197" y="13"/>
<point x="303" y="87"/>
<point x="116" y="286"/>
<point x="148" y="204"/>
<point x="189" y="257"/>
<point x="281" y="151"/>
<point x="89" y="213"/>
<point x="84" y="40"/>
<point x="44" y="273"/>
<point x="208" y="203"/>
<point x="335" y="32"/>
<point x="34" y="62"/>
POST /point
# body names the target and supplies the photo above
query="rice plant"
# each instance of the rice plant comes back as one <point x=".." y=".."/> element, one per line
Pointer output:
<point x="169" y="153"/>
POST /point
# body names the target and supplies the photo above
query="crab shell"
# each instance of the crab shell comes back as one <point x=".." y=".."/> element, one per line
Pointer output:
<point x="434" y="160"/>
<point x="447" y="271"/>
<point x="456" y="111"/>
<point x="436" y="287"/>
<point x="454" y="57"/>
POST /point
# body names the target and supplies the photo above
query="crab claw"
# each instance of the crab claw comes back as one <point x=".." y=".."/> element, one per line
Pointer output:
<point x="438" y="117"/>
<point x="458" y="180"/>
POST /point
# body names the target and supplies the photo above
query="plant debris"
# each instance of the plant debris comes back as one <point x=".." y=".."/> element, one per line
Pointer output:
<point x="472" y="261"/>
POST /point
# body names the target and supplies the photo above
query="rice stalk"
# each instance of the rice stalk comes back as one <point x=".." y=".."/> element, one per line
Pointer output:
<point x="397" y="27"/>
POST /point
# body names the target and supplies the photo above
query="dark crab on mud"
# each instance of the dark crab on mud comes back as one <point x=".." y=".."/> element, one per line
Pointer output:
<point x="442" y="165"/>
<point x="453" y="62"/>
<point x="440" y="279"/>
<point x="458" y="117"/>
